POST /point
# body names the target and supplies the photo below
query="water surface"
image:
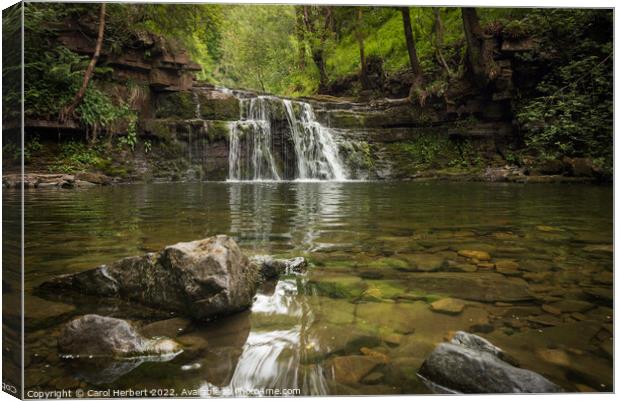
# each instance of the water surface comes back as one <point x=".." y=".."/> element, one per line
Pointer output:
<point x="360" y="320"/>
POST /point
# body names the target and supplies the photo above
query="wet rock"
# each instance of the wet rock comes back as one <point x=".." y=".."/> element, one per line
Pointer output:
<point x="450" y="306"/>
<point x="373" y="378"/>
<point x="552" y="310"/>
<point x="605" y="278"/>
<point x="93" y="178"/>
<point x="602" y="296"/>
<point x="545" y="320"/>
<point x="554" y="356"/>
<point x="271" y="267"/>
<point x="548" y="229"/>
<point x="393" y="339"/>
<point x="165" y="328"/>
<point x="100" y="336"/>
<point x="338" y="285"/>
<point x="479" y="255"/>
<point x="604" y="248"/>
<point x="379" y="356"/>
<point x="425" y="262"/>
<point x="201" y="279"/>
<point x="570" y="305"/>
<point x="478" y="286"/>
<point x="383" y="263"/>
<point x="462" y="267"/>
<point x="507" y="267"/>
<point x="471" y="364"/>
<point x="353" y="368"/>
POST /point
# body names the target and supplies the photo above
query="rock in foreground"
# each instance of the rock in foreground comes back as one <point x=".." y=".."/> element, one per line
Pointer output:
<point x="471" y="364"/>
<point x="100" y="336"/>
<point x="201" y="279"/>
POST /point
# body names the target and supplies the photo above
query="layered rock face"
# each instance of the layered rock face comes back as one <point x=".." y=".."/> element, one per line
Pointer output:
<point x="202" y="279"/>
<point x="471" y="364"/>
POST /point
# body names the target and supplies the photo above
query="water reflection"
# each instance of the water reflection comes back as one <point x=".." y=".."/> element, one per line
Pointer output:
<point x="272" y="355"/>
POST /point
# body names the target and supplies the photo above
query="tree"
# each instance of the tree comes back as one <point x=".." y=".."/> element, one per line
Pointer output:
<point x="318" y="21"/>
<point x="411" y="50"/>
<point x="69" y="110"/>
<point x="479" y="57"/>
<point x="437" y="36"/>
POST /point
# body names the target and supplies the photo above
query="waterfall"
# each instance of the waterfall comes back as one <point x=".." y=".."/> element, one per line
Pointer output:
<point x="251" y="148"/>
<point x="254" y="129"/>
<point x="317" y="153"/>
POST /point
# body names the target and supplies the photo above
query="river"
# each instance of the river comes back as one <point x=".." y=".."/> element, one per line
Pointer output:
<point x="362" y="293"/>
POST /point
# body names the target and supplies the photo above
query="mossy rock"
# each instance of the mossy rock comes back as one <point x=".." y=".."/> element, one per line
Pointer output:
<point x="338" y="285"/>
<point x="379" y="290"/>
<point x="176" y="105"/>
<point x="346" y="119"/>
<point x="163" y="129"/>
<point x="220" y="109"/>
<point x="218" y="130"/>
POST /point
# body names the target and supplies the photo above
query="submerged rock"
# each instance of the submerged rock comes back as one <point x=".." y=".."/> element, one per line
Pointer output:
<point x="471" y="364"/>
<point x="201" y="279"/>
<point x="476" y="286"/>
<point x="270" y="267"/>
<point x="450" y="306"/>
<point x="100" y="336"/>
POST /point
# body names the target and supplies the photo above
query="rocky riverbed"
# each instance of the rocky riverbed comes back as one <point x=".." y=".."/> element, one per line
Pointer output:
<point x="382" y="289"/>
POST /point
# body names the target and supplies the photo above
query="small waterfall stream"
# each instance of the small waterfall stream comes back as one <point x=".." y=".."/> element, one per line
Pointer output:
<point x="252" y="155"/>
<point x="254" y="129"/>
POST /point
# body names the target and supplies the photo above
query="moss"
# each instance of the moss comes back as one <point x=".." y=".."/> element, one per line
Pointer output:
<point x="175" y="105"/>
<point x="338" y="285"/>
<point x="346" y="119"/>
<point x="218" y="130"/>
<point x="161" y="128"/>
<point x="220" y="109"/>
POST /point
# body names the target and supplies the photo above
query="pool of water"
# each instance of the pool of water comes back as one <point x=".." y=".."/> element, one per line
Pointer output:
<point x="360" y="321"/>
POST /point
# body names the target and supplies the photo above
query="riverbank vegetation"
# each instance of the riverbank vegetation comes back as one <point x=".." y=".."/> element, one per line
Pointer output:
<point x="562" y="100"/>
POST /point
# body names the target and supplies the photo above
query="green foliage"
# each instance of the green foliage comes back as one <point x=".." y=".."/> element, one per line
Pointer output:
<point x="436" y="151"/>
<point x="570" y="112"/>
<point x="258" y="48"/>
<point x="78" y="156"/>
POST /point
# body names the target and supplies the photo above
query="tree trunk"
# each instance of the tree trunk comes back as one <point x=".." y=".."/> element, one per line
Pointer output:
<point x="299" y="31"/>
<point x="318" y="49"/>
<point x="413" y="56"/>
<point x="317" y="56"/>
<point x="479" y="55"/>
<point x="360" y="41"/>
<point x="68" y="112"/>
<point x="438" y="32"/>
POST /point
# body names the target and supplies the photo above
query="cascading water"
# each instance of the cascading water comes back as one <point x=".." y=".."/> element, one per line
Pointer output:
<point x="317" y="153"/>
<point x="251" y="156"/>
<point x="254" y="129"/>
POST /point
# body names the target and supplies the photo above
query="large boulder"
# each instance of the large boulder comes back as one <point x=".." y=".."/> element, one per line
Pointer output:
<point x="200" y="279"/>
<point x="100" y="336"/>
<point x="471" y="364"/>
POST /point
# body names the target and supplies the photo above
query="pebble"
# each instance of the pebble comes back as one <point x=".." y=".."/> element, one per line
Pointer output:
<point x="471" y="254"/>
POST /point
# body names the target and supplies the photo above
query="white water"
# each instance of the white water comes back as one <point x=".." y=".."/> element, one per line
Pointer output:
<point x="316" y="151"/>
<point x="251" y="157"/>
<point x="253" y="129"/>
